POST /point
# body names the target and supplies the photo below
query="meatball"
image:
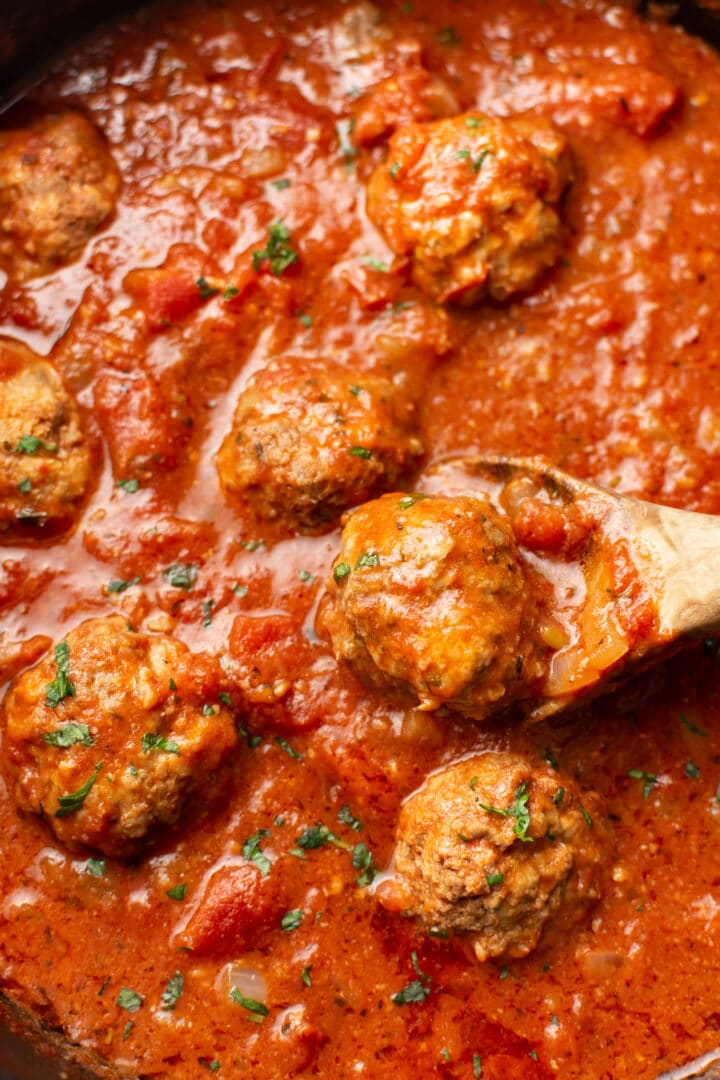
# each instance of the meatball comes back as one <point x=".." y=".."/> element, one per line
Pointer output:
<point x="428" y="598"/>
<point x="44" y="457"/>
<point x="58" y="184"/>
<point x="495" y="847"/>
<point x="109" y="737"/>
<point x="306" y="442"/>
<point x="473" y="202"/>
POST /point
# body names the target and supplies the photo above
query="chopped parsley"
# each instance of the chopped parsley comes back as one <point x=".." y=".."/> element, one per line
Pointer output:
<point x="252" y="1006"/>
<point x="447" y="36"/>
<point x="477" y="1067"/>
<point x="211" y="1065"/>
<point x="253" y="852"/>
<point x="156" y="741"/>
<point x="95" y="867"/>
<point x="691" y="727"/>
<point x="25" y="485"/>
<point x="414" y="993"/>
<point x="691" y="770"/>
<point x="131" y="486"/>
<point x="207" y="607"/>
<point x="206" y="289"/>
<point x="375" y="264"/>
<point x="171" y="993"/>
<point x="346" y="816"/>
<point x="231" y="292"/>
<point x="30" y="444"/>
<point x="306" y="576"/>
<point x="394" y="170"/>
<point x="69" y="735"/>
<point x="281" y="185"/>
<point x="61" y="687"/>
<point x="305" y="319"/>
<point x="367" y="559"/>
<point x="519" y="810"/>
<point x="586" y="815"/>
<point x="341" y="571"/>
<point x="291" y="920"/>
<point x="306" y="975"/>
<point x="559" y="795"/>
<point x="250" y="739"/>
<point x="362" y="860"/>
<point x="475" y="163"/>
<point x="277" y="253"/>
<point x="289" y="750"/>
<point x="208" y="710"/>
<point x="225" y="699"/>
<point x="129" y="1000"/>
<point x="495" y="879"/>
<point x="119" y="586"/>
<point x="361" y="452"/>
<point x="317" y="836"/>
<point x="69" y="804"/>
<point x="474" y="122"/>
<point x="127" y="1030"/>
<point x="551" y="760"/>
<point x="409" y="500"/>
<point x="177" y="892"/>
<point x="181" y="575"/>
<point x="649" y="780"/>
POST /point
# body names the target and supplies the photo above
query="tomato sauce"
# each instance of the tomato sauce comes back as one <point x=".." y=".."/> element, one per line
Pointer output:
<point x="224" y="119"/>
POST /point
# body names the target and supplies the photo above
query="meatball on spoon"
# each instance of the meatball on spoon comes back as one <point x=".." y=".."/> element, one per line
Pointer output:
<point x="505" y="584"/>
<point x="652" y="572"/>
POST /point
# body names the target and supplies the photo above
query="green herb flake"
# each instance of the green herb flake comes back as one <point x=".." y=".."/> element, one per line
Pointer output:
<point x="61" y="687"/>
<point x="291" y="920"/>
<point x="477" y="1067"/>
<point x="277" y="253"/>
<point x="362" y="860"/>
<point x="120" y="586"/>
<point x="69" y="804"/>
<point x="131" y="486"/>
<point x="230" y="293"/>
<point x="341" y="571"/>
<point x="586" y="815"/>
<point x="445" y="1054"/>
<point x="181" y="575"/>
<point x="253" y="852"/>
<point x="519" y="810"/>
<point x="240" y="590"/>
<point x="129" y="1000"/>
<point x="409" y="500"/>
<point x="207" y="607"/>
<point x="25" y="486"/>
<point x="649" y="780"/>
<point x="305" y="576"/>
<point x="368" y="559"/>
<point x="207" y="291"/>
<point x="503" y="973"/>
<point x="551" y="760"/>
<point x="346" y="816"/>
<point x="252" y="1006"/>
<point x="211" y="1065"/>
<point x="559" y="795"/>
<point x="208" y="710"/>
<point x="156" y="741"/>
<point x="306" y="975"/>
<point x="306" y="320"/>
<point x="127" y="1030"/>
<point x="69" y="735"/>
<point x="447" y="36"/>
<point x="95" y="867"/>
<point x="693" y="728"/>
<point x="495" y="879"/>
<point x="691" y="770"/>
<point x="289" y="750"/>
<point x="412" y="994"/>
<point x="281" y="185"/>
<point x="30" y="444"/>
<point x="177" y="892"/>
<point x="533" y="1055"/>
<point x="317" y="836"/>
<point x="375" y="264"/>
<point x="171" y="993"/>
<point x="361" y="452"/>
<point x="474" y="122"/>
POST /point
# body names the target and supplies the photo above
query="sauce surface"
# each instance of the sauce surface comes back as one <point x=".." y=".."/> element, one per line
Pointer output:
<point x="224" y="119"/>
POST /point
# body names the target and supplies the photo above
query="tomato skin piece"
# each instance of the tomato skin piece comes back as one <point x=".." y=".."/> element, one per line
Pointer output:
<point x="238" y="904"/>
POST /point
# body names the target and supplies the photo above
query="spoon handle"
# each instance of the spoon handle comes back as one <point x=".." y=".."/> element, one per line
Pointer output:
<point x="681" y="553"/>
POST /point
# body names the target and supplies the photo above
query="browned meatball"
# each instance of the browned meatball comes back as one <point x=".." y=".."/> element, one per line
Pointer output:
<point x="111" y="735"/>
<point x="428" y="597"/>
<point x="473" y="201"/>
<point x="58" y="184"/>
<point x="308" y="441"/>
<point x="495" y="847"/>
<point x="44" y="458"/>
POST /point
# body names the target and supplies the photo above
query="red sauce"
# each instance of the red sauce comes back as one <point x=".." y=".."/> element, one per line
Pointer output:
<point x="608" y="368"/>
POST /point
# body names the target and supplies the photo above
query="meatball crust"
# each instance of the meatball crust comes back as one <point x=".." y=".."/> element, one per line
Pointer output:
<point x="130" y="719"/>
<point x="44" y="457"/>
<point x="428" y="598"/>
<point x="309" y="441"/>
<point x="496" y="847"/>
<point x="58" y="184"/>
<point x="473" y="202"/>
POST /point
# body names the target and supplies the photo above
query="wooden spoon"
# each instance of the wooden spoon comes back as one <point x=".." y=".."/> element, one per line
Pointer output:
<point x="675" y="555"/>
